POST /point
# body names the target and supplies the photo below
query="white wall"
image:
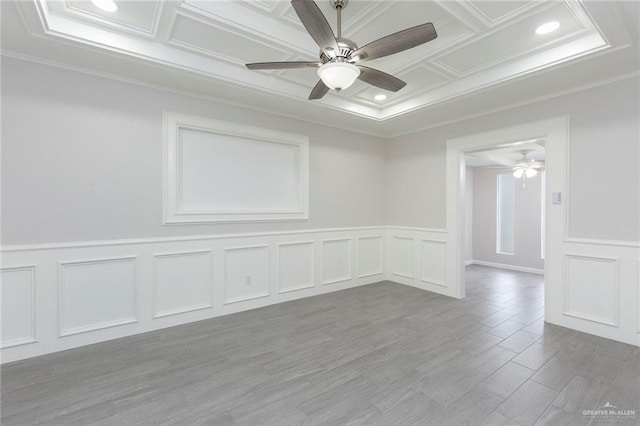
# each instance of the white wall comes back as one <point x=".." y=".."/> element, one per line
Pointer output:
<point x="82" y="160"/>
<point x="85" y="256"/>
<point x="527" y="220"/>
<point x="596" y="244"/>
<point x="604" y="182"/>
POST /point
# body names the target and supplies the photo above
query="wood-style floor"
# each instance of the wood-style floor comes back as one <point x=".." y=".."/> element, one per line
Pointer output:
<point x="384" y="354"/>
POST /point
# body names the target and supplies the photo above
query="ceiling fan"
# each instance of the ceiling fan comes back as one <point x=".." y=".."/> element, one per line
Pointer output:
<point x="340" y="58"/>
<point x="527" y="168"/>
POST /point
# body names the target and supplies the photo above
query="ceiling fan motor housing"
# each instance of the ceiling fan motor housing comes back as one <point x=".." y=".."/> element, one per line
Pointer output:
<point x="346" y="46"/>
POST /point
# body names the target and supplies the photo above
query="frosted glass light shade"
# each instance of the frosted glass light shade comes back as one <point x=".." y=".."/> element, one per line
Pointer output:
<point x="518" y="173"/>
<point x="106" y="5"/>
<point x="531" y="173"/>
<point x="338" y="75"/>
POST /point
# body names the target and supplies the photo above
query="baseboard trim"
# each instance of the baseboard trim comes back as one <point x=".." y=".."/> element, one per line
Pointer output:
<point x="505" y="266"/>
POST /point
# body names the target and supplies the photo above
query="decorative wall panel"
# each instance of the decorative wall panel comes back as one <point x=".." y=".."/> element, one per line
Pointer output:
<point x="96" y="294"/>
<point x="183" y="282"/>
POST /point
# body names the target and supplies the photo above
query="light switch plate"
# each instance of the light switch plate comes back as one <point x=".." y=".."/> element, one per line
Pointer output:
<point x="556" y="197"/>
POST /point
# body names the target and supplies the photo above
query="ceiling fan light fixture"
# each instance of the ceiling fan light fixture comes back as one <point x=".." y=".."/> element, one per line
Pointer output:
<point x="338" y="75"/>
<point x="529" y="172"/>
<point x="106" y="5"/>
<point x="518" y="173"/>
<point x="547" y="27"/>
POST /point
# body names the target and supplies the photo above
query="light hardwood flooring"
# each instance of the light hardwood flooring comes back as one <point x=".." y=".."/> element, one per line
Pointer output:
<point x="383" y="354"/>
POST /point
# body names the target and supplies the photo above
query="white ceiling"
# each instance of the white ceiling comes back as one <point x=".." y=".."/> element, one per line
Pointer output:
<point x="486" y="56"/>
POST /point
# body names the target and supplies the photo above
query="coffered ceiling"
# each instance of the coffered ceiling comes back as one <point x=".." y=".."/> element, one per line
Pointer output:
<point x="487" y="54"/>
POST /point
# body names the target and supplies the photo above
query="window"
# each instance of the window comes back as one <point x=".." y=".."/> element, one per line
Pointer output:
<point x="505" y="214"/>
<point x="543" y="201"/>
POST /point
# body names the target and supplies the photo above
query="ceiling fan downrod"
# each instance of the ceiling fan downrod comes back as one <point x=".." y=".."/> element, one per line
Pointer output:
<point x="338" y="5"/>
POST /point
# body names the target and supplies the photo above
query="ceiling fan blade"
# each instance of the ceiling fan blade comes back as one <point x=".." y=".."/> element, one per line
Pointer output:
<point x="282" y="65"/>
<point x="396" y="42"/>
<point x="380" y="79"/>
<point x="318" y="91"/>
<point x="315" y="23"/>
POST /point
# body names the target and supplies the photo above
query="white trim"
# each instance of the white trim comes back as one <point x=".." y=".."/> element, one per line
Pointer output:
<point x="313" y="266"/>
<point x="31" y="338"/>
<point x="328" y="123"/>
<point x="348" y="277"/>
<point x="556" y="133"/>
<point x="63" y="331"/>
<point x="600" y="242"/>
<point x="184" y="238"/>
<point x="438" y="283"/>
<point x="505" y="266"/>
<point x="227" y="300"/>
<point x="612" y="322"/>
<point x="412" y="257"/>
<point x="154" y="285"/>
<point x="508" y="107"/>
<point x="173" y="211"/>
<point x="414" y="228"/>
<point x="381" y="253"/>
<point x="209" y="98"/>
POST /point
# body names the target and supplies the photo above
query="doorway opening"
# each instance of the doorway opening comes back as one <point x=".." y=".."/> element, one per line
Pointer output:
<point x="504" y="233"/>
<point x="554" y="133"/>
<point x="504" y="207"/>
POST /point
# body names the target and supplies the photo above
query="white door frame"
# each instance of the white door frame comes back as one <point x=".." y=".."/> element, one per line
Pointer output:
<point x="555" y="132"/>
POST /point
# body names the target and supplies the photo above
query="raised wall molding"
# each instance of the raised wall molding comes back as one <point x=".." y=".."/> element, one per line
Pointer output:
<point x="433" y="264"/>
<point x="18" y="288"/>
<point x="117" y="288"/>
<point x="296" y="269"/>
<point x="402" y="256"/>
<point x="203" y="158"/>
<point x="369" y="255"/>
<point x="184" y="284"/>
<point x="591" y="288"/>
<point x="336" y="260"/>
<point x="95" y="294"/>
<point x="247" y="273"/>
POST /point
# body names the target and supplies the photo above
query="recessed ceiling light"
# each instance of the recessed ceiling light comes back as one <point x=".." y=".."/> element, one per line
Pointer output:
<point x="106" y="5"/>
<point x="380" y="97"/>
<point x="548" y="27"/>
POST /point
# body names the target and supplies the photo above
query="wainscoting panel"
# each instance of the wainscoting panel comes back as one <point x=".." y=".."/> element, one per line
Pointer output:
<point x="433" y="264"/>
<point x="296" y="266"/>
<point x="599" y="290"/>
<point x="370" y="255"/>
<point x="89" y="292"/>
<point x="418" y="257"/>
<point x="246" y="273"/>
<point x="402" y="256"/>
<point x="96" y="294"/>
<point x="336" y="260"/>
<point x="182" y="282"/>
<point x="591" y="288"/>
<point x="18" y="287"/>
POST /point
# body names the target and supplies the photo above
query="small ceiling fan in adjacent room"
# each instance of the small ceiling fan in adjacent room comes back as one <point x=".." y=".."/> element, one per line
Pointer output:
<point x="340" y="58"/>
<point x="527" y="168"/>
